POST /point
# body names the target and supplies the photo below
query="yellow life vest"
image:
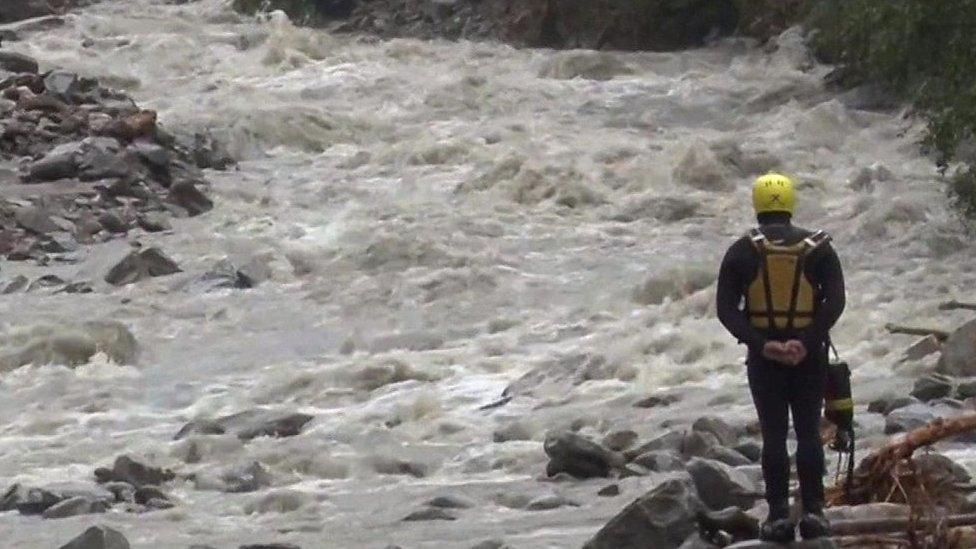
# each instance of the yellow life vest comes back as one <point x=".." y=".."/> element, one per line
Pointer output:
<point x="781" y="297"/>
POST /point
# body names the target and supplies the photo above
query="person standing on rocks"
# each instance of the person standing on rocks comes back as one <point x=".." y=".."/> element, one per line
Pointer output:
<point x="780" y="290"/>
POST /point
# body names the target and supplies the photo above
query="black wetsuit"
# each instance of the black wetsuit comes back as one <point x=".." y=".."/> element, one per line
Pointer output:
<point x="778" y="388"/>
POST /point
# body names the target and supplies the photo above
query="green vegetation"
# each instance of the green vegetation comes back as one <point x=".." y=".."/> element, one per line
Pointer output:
<point x="923" y="51"/>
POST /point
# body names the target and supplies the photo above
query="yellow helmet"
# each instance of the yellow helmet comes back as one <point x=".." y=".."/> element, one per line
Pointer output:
<point x="774" y="193"/>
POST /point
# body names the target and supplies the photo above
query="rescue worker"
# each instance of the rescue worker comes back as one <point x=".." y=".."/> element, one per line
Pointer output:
<point x="780" y="290"/>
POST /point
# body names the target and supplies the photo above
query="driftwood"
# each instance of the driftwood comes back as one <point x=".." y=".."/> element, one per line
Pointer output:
<point x="941" y="335"/>
<point x="889" y="474"/>
<point x="956" y="305"/>
<point x="894" y="525"/>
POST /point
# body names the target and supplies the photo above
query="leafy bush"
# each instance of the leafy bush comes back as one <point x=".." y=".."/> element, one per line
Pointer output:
<point x="924" y="52"/>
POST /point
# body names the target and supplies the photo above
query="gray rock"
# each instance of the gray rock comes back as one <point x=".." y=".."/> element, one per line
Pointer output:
<point x="104" y="158"/>
<point x="938" y="466"/>
<point x="147" y="493"/>
<point x="112" y="222"/>
<point x="966" y="389"/>
<point x="578" y="456"/>
<point x="78" y="505"/>
<point x="671" y="440"/>
<point x="907" y="418"/>
<point x="492" y="544"/>
<point x="153" y="222"/>
<point x="61" y="84"/>
<point x="20" y="282"/>
<point x="550" y="501"/>
<point x="34" y="501"/>
<point x="932" y="386"/>
<point x="35" y="220"/>
<point x="822" y="543"/>
<point x="98" y="537"/>
<point x="659" y="461"/>
<point x="959" y="352"/>
<point x="721" y="486"/>
<point x="887" y="404"/>
<point x="619" y="441"/>
<point x="187" y="196"/>
<point x="225" y="275"/>
<point x="922" y="348"/>
<point x="153" y="154"/>
<point x="61" y="162"/>
<point x="249" y="478"/>
<point x="750" y="449"/>
<point x="139" y="265"/>
<point x="270" y="546"/>
<point x="250" y="424"/>
<point x="695" y="541"/>
<point x="698" y="443"/>
<point x="451" y="502"/>
<point x="126" y="469"/>
<point x="727" y="456"/>
<point x="662" y="518"/>
<point x="429" y="513"/>
<point x="122" y="491"/>
<point x="657" y="401"/>
<point x="725" y="433"/>
<point x="17" y="62"/>
<point x="609" y="491"/>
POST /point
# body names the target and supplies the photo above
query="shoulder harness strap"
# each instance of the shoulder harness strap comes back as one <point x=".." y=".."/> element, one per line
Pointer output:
<point x="810" y="243"/>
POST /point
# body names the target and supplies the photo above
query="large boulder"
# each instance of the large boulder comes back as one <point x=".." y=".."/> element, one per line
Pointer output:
<point x="959" y="352"/>
<point x="663" y="518"/>
<point x="98" y="537"/>
<point x="721" y="486"/>
<point x="579" y="456"/>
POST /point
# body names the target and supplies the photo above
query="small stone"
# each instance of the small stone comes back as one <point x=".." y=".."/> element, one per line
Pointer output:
<point x="62" y="84"/>
<point x="450" y="502"/>
<point x="75" y="506"/>
<point x="429" y="513"/>
<point x="578" y="456"/>
<point x="550" y="501"/>
<point x="270" y="546"/>
<point x="932" y="386"/>
<point x="17" y="62"/>
<point x="609" y="491"/>
<point x="727" y="456"/>
<point x="126" y="469"/>
<point x="887" y="404"/>
<point x="619" y="441"/>
<point x="656" y="401"/>
<point x="725" y="433"/>
<point x="908" y="418"/>
<point x="98" y="537"/>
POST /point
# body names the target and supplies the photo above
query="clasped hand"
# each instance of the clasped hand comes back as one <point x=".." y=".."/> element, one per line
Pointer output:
<point x="790" y="352"/>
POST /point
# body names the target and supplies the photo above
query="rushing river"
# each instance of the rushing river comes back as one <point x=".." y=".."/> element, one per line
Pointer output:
<point x="439" y="219"/>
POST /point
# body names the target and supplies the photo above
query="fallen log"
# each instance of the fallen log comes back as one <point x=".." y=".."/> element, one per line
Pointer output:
<point x="956" y="305"/>
<point x="890" y="525"/>
<point x="941" y="335"/>
<point x="888" y="475"/>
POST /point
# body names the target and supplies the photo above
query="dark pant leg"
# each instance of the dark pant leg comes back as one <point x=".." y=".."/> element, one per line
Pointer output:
<point x="769" y="386"/>
<point x="806" y="402"/>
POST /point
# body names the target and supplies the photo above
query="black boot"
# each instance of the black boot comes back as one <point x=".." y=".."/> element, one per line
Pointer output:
<point x="814" y="524"/>
<point x="778" y="527"/>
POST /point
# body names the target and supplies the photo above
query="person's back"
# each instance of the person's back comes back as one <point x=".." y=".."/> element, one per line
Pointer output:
<point x="780" y="290"/>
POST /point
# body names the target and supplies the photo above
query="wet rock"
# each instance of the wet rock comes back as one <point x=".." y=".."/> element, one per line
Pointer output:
<point x="922" y="348"/>
<point x="249" y="478"/>
<point x="277" y="501"/>
<point x="550" y="501"/>
<point x="126" y="469"/>
<point x="822" y="543"/>
<point x="61" y="162"/>
<point x="513" y="431"/>
<point x="250" y="424"/>
<point x="19" y="283"/>
<point x="492" y="544"/>
<point x="937" y="466"/>
<point x="224" y="275"/>
<point x="671" y="440"/>
<point x="751" y="450"/>
<point x="451" y="502"/>
<point x="395" y="466"/>
<point x="270" y="546"/>
<point x="721" y="486"/>
<point x="727" y="456"/>
<point x="139" y="265"/>
<point x="725" y="433"/>
<point x="578" y="456"/>
<point x="889" y="403"/>
<point x="113" y="222"/>
<point x="28" y="501"/>
<point x="695" y="541"/>
<point x="122" y="491"/>
<point x="98" y="537"/>
<point x="17" y="62"/>
<point x="657" y="401"/>
<point x="153" y="222"/>
<point x="208" y="153"/>
<point x="187" y="196"/>
<point x="932" y="386"/>
<point x="966" y="389"/>
<point x="619" y="441"/>
<point x="429" y="513"/>
<point x="154" y="155"/>
<point x="661" y="518"/>
<point x="35" y="220"/>
<point x="959" y="352"/>
<point x="659" y="461"/>
<point x="609" y="491"/>
<point x="699" y="443"/>
<point x="78" y="505"/>
<point x="61" y="84"/>
<point x="908" y="418"/>
<point x="147" y="493"/>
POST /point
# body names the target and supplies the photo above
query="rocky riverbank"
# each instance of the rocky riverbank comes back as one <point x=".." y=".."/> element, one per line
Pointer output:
<point x="82" y="164"/>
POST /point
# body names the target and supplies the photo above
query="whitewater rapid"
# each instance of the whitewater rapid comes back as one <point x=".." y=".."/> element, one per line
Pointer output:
<point x="439" y="219"/>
